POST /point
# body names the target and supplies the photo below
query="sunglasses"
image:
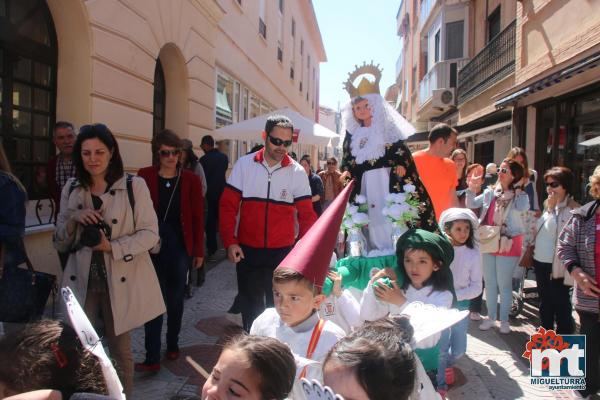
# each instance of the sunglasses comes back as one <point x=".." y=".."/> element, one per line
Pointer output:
<point x="167" y="153"/>
<point x="553" y="185"/>
<point x="278" y="142"/>
<point x="504" y="170"/>
<point x="89" y="127"/>
<point x="330" y="163"/>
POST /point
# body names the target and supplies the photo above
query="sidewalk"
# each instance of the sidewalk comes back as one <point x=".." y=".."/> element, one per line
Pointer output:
<point x="493" y="366"/>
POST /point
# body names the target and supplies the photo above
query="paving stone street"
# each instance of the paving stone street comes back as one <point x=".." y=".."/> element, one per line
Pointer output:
<point x="492" y="368"/>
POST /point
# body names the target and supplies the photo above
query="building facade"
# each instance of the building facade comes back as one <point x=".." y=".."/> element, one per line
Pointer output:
<point x="555" y="100"/>
<point x="455" y="56"/>
<point x="142" y="66"/>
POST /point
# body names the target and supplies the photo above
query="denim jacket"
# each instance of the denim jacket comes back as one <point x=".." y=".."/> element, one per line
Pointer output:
<point x="12" y="220"/>
<point x="514" y="220"/>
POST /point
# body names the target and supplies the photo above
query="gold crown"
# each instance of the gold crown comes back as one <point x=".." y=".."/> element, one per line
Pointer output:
<point x="365" y="86"/>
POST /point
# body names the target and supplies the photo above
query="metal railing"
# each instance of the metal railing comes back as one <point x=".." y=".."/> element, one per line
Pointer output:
<point x="262" y="28"/>
<point x="443" y="75"/>
<point x="493" y="63"/>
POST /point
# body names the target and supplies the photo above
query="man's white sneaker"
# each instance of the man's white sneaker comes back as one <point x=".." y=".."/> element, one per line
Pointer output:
<point x="487" y="324"/>
<point x="505" y="327"/>
<point x="475" y="316"/>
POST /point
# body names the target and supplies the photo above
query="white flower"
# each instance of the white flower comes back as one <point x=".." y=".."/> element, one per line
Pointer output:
<point x="348" y="224"/>
<point x="400" y="198"/>
<point x="385" y="211"/>
<point x="395" y="211"/>
<point x="351" y="210"/>
<point x="408" y="188"/>
<point x="390" y="198"/>
<point x="360" y="219"/>
<point x="360" y="199"/>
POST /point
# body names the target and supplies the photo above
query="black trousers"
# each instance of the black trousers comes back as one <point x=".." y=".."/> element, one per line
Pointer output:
<point x="591" y="328"/>
<point x="555" y="305"/>
<point x="212" y="221"/>
<point x="255" y="281"/>
<point x="476" y="303"/>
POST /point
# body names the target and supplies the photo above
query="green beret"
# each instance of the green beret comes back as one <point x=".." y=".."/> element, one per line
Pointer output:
<point x="437" y="246"/>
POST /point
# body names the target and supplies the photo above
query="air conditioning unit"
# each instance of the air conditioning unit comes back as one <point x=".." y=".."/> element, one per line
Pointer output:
<point x="443" y="98"/>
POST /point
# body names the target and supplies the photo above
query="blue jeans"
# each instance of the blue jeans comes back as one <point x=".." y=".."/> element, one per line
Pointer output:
<point x="453" y="344"/>
<point x="171" y="266"/>
<point x="497" y="275"/>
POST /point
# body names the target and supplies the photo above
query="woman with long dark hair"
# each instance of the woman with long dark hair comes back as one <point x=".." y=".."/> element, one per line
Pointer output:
<point x="107" y="223"/>
<point x="501" y="206"/>
<point x="177" y="198"/>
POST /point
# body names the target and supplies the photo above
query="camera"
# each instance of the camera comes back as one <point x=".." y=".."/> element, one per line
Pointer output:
<point x="91" y="235"/>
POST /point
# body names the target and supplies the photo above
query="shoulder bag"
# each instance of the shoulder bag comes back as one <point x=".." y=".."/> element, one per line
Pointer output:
<point x="489" y="235"/>
<point x="24" y="292"/>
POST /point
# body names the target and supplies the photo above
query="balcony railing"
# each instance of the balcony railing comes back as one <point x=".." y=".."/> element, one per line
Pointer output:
<point x="262" y="28"/>
<point x="493" y="63"/>
<point x="444" y="74"/>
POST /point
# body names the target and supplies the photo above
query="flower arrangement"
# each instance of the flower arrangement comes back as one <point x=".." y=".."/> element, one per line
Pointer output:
<point x="355" y="216"/>
<point x="402" y="209"/>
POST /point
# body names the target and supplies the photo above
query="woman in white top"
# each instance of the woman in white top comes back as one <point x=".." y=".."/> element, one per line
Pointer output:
<point x="552" y="282"/>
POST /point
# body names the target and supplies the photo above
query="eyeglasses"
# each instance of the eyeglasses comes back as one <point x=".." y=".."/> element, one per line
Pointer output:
<point x="504" y="170"/>
<point x="167" y="153"/>
<point x="553" y="184"/>
<point x="278" y="142"/>
<point x="89" y="127"/>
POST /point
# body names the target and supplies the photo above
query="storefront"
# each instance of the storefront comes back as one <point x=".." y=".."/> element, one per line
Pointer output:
<point x="568" y="134"/>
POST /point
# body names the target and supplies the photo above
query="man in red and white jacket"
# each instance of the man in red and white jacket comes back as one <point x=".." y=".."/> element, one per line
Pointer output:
<point x="258" y="215"/>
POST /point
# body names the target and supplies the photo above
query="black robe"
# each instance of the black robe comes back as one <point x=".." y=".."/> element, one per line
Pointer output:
<point x="396" y="154"/>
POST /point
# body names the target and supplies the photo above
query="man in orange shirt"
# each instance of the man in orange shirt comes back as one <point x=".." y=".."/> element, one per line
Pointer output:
<point x="436" y="170"/>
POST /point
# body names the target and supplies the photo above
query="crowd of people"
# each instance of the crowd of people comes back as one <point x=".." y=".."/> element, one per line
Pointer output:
<point x="127" y="244"/>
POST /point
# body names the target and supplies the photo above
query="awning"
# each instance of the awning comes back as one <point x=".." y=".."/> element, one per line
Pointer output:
<point x="484" y="130"/>
<point x="591" y="142"/>
<point x="552" y="79"/>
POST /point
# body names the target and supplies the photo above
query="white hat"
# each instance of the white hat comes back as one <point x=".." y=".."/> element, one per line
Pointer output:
<point x="454" y="214"/>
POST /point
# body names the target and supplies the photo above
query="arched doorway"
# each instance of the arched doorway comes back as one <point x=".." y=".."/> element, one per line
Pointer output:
<point x="28" y="67"/>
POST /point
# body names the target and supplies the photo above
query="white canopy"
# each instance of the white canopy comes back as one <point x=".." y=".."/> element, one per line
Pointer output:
<point x="309" y="132"/>
<point x="591" y="142"/>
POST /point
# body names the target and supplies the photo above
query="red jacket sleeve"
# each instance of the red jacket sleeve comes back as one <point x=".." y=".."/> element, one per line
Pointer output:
<point x="306" y="215"/>
<point x="197" y="204"/>
<point x="229" y="206"/>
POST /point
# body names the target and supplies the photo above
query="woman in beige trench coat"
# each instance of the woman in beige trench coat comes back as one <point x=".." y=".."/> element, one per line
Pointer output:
<point x="115" y="278"/>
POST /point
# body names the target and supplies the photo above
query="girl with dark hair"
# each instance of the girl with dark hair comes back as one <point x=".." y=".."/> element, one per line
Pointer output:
<point x="501" y="206"/>
<point x="374" y="362"/>
<point x="253" y="368"/>
<point x="423" y="268"/>
<point x="460" y="226"/>
<point x="48" y="355"/>
<point x="553" y="283"/>
<point x="459" y="156"/>
<point x="107" y="223"/>
<point x="176" y="194"/>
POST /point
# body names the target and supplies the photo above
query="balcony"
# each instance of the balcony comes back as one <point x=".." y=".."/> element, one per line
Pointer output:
<point x="399" y="65"/>
<point x="443" y="75"/>
<point x="492" y="64"/>
<point x="425" y="11"/>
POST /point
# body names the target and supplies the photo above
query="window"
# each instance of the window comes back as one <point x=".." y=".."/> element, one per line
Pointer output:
<point x="484" y="153"/>
<point x="293" y="28"/>
<point x="28" y="61"/>
<point x="158" y="110"/>
<point x="301" y="46"/>
<point x="281" y="6"/>
<point x="436" y="54"/>
<point x="454" y="40"/>
<point x="292" y="72"/>
<point x="224" y="101"/>
<point x="262" y="26"/>
<point x="493" y="22"/>
<point x="279" y="52"/>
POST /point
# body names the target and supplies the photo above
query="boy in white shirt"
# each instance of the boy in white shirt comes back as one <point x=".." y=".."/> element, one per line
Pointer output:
<point x="297" y="285"/>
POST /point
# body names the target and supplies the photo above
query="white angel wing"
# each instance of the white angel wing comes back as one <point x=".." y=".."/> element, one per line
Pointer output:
<point x="314" y="390"/>
<point x="91" y="342"/>
<point x="427" y="319"/>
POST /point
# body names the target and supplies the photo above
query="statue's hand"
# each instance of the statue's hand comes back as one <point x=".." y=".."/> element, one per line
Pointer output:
<point x="400" y="171"/>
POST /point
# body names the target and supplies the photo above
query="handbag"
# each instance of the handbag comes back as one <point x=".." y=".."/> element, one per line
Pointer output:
<point x="527" y="258"/>
<point x="24" y="292"/>
<point x="489" y="238"/>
